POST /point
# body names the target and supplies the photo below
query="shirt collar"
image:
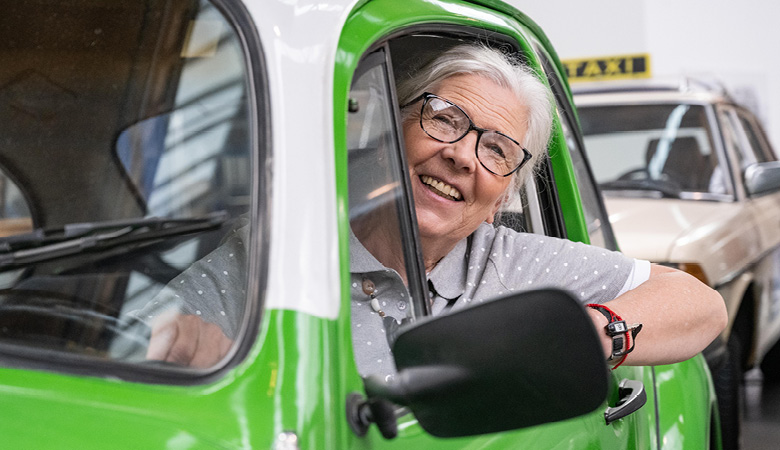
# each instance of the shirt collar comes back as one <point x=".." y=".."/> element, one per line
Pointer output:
<point x="448" y="278"/>
<point x="360" y="259"/>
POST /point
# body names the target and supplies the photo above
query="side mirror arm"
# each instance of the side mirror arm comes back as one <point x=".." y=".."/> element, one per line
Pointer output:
<point x="362" y="412"/>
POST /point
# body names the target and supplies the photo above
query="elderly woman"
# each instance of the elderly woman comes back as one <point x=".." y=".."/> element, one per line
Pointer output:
<point x="475" y="124"/>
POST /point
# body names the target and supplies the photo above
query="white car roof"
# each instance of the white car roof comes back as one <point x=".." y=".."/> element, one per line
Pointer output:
<point x="655" y="90"/>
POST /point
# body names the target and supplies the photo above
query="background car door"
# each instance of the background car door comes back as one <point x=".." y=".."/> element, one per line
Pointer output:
<point x="747" y="146"/>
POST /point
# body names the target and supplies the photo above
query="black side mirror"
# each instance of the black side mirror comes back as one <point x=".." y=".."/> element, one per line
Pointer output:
<point x="513" y="362"/>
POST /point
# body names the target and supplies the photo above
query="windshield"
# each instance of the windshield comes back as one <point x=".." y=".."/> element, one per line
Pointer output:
<point x="659" y="150"/>
<point x="125" y="161"/>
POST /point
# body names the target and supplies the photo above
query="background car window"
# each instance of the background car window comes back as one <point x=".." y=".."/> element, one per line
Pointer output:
<point x="755" y="136"/>
<point x="737" y="140"/>
<point x="652" y="150"/>
<point x="134" y="153"/>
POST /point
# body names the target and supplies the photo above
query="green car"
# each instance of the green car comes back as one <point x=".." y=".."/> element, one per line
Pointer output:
<point x="137" y="136"/>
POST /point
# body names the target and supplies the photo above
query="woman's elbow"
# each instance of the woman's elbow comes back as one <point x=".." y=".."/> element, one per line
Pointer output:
<point x="720" y="314"/>
<point x="712" y="312"/>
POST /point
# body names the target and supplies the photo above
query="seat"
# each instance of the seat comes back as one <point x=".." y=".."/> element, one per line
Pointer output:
<point x="683" y="163"/>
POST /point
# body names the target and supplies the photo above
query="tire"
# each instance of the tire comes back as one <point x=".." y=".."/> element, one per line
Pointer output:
<point x="770" y="365"/>
<point x="728" y="388"/>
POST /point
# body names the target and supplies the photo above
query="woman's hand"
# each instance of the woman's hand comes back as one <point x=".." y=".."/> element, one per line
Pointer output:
<point x="187" y="340"/>
<point x="680" y="316"/>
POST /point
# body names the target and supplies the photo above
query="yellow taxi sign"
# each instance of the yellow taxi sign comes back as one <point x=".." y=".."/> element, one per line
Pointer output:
<point x="608" y="67"/>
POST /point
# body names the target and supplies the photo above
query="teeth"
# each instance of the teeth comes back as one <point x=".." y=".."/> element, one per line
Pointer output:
<point x="440" y="186"/>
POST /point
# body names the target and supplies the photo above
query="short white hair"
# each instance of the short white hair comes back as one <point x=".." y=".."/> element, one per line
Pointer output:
<point x="503" y="69"/>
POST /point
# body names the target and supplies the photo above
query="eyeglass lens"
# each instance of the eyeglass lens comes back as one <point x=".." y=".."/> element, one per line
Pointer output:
<point x="446" y="122"/>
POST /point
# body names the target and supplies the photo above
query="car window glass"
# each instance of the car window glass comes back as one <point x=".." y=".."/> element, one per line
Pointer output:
<point x="736" y="140"/>
<point x="15" y="214"/>
<point x="380" y="298"/>
<point x="517" y="215"/>
<point x="136" y="154"/>
<point x="591" y="207"/>
<point x="753" y="134"/>
<point x="595" y="215"/>
<point x="662" y="150"/>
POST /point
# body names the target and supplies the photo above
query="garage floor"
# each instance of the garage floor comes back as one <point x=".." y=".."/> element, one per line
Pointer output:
<point x="761" y="427"/>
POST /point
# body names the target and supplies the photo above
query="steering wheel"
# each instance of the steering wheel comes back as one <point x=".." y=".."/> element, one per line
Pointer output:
<point x="58" y="323"/>
<point x="635" y="174"/>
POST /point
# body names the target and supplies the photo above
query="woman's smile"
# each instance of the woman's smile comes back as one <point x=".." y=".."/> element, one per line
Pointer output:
<point x="441" y="188"/>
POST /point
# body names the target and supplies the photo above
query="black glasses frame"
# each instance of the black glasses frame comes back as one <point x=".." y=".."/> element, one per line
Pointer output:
<point x="427" y="96"/>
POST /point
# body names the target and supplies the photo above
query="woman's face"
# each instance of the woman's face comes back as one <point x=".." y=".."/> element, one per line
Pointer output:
<point x="436" y="168"/>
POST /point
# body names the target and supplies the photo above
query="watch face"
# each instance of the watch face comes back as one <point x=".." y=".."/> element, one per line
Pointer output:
<point x="617" y="327"/>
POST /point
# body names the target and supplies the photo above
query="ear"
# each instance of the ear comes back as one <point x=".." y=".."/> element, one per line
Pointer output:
<point x="500" y="201"/>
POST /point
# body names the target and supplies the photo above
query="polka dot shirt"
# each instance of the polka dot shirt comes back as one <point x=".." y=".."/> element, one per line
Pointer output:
<point x="212" y="287"/>
<point x="491" y="263"/>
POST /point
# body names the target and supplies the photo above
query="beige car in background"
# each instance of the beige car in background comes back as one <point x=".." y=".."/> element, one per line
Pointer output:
<point x="690" y="181"/>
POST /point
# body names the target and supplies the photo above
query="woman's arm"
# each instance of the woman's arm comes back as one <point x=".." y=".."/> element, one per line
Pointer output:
<point x="187" y="340"/>
<point x="680" y="316"/>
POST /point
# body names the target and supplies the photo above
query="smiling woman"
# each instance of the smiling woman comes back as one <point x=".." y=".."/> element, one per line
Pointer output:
<point x="471" y="120"/>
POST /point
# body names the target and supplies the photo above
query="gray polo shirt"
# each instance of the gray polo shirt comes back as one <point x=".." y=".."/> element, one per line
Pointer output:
<point x="491" y="262"/>
<point x="213" y="287"/>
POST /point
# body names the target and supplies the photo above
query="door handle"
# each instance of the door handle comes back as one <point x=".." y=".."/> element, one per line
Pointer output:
<point x="632" y="397"/>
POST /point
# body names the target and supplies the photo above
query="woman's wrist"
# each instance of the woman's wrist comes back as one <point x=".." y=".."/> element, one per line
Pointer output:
<point x="599" y="321"/>
<point x="619" y="332"/>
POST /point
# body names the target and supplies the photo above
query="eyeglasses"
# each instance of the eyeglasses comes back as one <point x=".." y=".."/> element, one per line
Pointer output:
<point x="447" y="122"/>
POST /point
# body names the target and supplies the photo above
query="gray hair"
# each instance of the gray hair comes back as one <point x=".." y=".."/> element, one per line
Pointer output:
<point x="505" y="70"/>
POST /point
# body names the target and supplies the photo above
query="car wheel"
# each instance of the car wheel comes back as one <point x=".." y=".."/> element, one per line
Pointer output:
<point x="727" y="380"/>
<point x="770" y="365"/>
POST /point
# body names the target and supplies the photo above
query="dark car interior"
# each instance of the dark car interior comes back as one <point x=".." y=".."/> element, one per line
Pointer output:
<point x="123" y="159"/>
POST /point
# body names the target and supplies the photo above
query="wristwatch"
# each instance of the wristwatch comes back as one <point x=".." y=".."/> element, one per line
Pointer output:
<point x="620" y="332"/>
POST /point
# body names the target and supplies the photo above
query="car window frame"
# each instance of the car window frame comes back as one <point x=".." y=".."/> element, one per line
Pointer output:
<point x="566" y="112"/>
<point x="550" y="217"/>
<point x="379" y="55"/>
<point x="730" y="122"/>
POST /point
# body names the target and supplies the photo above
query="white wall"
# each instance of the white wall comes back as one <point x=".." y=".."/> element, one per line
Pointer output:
<point x="734" y="42"/>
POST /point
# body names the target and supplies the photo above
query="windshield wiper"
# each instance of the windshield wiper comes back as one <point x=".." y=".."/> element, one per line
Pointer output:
<point x="50" y="243"/>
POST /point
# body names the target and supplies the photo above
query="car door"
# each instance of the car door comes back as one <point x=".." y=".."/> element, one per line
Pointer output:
<point x="747" y="146"/>
<point x="377" y="175"/>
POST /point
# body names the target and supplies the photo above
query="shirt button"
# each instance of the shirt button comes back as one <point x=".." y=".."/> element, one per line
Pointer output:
<point x="368" y="287"/>
<point x="401" y="305"/>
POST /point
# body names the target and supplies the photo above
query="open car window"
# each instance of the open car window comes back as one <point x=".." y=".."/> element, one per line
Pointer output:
<point x="134" y="155"/>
